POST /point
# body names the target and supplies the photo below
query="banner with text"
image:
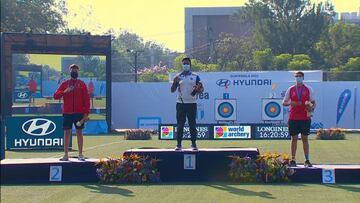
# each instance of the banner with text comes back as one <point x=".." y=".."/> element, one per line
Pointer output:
<point x="34" y="133"/>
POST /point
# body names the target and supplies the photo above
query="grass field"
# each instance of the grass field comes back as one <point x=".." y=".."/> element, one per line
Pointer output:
<point x="321" y="152"/>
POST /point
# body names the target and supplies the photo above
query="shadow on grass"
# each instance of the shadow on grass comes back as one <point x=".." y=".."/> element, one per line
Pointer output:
<point x="110" y="189"/>
<point x="345" y="187"/>
<point x="241" y="192"/>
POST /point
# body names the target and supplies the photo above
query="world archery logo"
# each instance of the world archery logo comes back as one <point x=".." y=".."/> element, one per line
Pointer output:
<point x="167" y="132"/>
<point x="220" y="132"/>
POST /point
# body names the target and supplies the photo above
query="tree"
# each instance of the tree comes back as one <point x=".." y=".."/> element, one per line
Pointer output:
<point x="282" y="61"/>
<point x="37" y="16"/>
<point x="287" y="26"/>
<point x="233" y="53"/>
<point x="339" y="44"/>
<point x="300" y="62"/>
<point x="263" y="59"/>
<point x="347" y="72"/>
<point x="196" y="65"/>
<point x="149" y="55"/>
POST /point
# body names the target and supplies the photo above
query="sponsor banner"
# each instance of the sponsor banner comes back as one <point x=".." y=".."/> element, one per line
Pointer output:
<point x="34" y="132"/>
<point x="232" y="132"/>
<point x="169" y="132"/>
<point x="271" y="131"/>
<point x="22" y="96"/>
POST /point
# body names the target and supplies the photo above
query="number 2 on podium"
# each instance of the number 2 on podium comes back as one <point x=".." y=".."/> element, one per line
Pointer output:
<point x="189" y="161"/>
<point x="55" y="174"/>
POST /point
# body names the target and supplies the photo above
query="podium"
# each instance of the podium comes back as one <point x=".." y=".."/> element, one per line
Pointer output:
<point x="190" y="165"/>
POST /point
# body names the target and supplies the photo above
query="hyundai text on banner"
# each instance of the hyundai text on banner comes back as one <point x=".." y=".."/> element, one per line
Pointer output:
<point x="34" y="132"/>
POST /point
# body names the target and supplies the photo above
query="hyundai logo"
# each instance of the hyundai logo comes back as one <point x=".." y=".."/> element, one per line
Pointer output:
<point x="223" y="82"/>
<point x="38" y="127"/>
<point x="22" y="95"/>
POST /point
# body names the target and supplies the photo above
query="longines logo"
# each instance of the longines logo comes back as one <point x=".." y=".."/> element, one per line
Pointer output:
<point x="22" y="95"/>
<point x="223" y="82"/>
<point x="38" y="127"/>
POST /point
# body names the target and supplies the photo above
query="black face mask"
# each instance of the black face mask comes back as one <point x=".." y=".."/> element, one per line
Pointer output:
<point x="74" y="74"/>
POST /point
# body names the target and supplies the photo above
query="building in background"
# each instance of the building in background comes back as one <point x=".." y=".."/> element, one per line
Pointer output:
<point x="203" y="26"/>
<point x="348" y="17"/>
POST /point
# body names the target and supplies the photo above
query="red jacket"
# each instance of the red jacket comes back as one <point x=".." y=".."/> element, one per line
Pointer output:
<point x="76" y="101"/>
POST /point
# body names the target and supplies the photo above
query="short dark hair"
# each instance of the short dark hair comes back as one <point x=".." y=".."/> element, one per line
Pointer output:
<point x="299" y="73"/>
<point x="74" y="66"/>
<point x="186" y="59"/>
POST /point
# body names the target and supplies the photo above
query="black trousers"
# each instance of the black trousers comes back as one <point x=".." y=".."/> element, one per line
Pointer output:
<point x="183" y="111"/>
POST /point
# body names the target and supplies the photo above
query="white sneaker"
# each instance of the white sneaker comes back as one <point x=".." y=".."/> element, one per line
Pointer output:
<point x="178" y="148"/>
<point x="64" y="158"/>
<point x="81" y="157"/>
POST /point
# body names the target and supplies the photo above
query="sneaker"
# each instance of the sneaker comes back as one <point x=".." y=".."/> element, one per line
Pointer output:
<point x="81" y="157"/>
<point x="64" y="158"/>
<point x="292" y="163"/>
<point x="194" y="147"/>
<point x="307" y="164"/>
<point x="178" y="148"/>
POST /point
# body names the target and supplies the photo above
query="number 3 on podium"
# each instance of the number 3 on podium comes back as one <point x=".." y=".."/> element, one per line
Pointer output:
<point x="328" y="176"/>
<point x="189" y="161"/>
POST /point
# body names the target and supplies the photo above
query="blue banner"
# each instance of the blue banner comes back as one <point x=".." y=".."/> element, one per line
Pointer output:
<point x="342" y="104"/>
<point x="34" y="132"/>
<point x="21" y="96"/>
<point x="355" y="103"/>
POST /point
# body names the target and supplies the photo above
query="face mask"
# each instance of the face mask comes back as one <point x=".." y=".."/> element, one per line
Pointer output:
<point x="299" y="80"/>
<point x="186" y="67"/>
<point x="74" y="74"/>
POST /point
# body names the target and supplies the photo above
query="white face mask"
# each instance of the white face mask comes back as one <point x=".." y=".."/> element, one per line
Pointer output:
<point x="299" y="80"/>
<point x="186" y="67"/>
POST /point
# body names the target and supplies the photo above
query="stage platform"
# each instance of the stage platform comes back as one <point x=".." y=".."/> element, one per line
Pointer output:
<point x="29" y="171"/>
<point x="175" y="166"/>
<point x="195" y="165"/>
<point x="344" y="173"/>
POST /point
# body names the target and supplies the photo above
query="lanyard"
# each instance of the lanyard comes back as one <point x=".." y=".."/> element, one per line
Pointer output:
<point x="299" y="92"/>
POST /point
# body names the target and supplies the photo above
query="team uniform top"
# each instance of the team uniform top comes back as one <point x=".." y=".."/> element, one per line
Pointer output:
<point x="299" y="93"/>
<point x="187" y="82"/>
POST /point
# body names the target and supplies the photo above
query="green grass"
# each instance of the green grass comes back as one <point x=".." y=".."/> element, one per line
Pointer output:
<point x="182" y="192"/>
<point x="321" y="151"/>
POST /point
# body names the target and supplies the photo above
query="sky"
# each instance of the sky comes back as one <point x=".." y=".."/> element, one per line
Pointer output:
<point x="161" y="21"/>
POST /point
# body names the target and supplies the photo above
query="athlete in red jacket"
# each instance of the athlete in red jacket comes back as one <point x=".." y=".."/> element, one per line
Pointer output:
<point x="76" y="108"/>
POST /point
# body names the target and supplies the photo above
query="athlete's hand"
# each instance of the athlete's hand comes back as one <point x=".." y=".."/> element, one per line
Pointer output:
<point x="295" y="103"/>
<point x="176" y="79"/>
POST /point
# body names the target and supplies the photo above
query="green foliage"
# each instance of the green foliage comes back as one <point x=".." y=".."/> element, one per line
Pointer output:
<point x="149" y="54"/>
<point x="92" y="66"/>
<point x="341" y="42"/>
<point x="282" y="61"/>
<point x="288" y="26"/>
<point x="233" y="53"/>
<point x="263" y="59"/>
<point x="196" y="65"/>
<point x="301" y="64"/>
<point x="38" y="16"/>
<point x="49" y="73"/>
<point x="348" y="72"/>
